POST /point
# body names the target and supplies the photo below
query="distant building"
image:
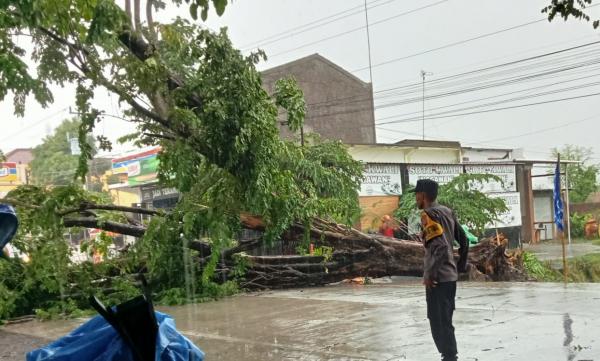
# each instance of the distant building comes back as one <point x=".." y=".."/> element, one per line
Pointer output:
<point x="20" y="155"/>
<point x="339" y="105"/>
<point x="15" y="171"/>
<point x="391" y="168"/>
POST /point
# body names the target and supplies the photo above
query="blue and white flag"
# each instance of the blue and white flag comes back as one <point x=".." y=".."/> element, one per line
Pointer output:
<point x="558" y="204"/>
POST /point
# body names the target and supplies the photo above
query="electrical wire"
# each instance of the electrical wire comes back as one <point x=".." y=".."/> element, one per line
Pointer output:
<point x="357" y="29"/>
<point x="311" y="25"/>
<point x="506" y="108"/>
<point x="36" y="123"/>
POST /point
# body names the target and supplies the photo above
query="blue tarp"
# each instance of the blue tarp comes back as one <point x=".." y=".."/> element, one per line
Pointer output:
<point x="8" y="224"/>
<point x="97" y="340"/>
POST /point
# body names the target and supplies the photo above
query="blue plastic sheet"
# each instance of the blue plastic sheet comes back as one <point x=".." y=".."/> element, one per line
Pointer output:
<point x="8" y="224"/>
<point x="96" y="340"/>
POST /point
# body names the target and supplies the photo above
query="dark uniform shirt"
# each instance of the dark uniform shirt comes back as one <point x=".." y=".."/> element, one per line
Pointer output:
<point x="440" y="229"/>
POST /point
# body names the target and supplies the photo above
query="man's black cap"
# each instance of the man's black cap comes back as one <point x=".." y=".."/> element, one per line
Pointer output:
<point x="427" y="186"/>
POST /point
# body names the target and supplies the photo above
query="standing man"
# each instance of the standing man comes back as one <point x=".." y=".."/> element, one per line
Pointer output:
<point x="440" y="229"/>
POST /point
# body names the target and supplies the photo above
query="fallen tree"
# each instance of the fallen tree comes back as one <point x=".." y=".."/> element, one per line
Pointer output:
<point x="189" y="91"/>
<point x="355" y="254"/>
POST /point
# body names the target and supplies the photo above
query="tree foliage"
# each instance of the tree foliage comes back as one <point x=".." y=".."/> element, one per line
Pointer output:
<point x="472" y="207"/>
<point x="191" y="92"/>
<point x="49" y="279"/>
<point x="582" y="177"/>
<point x="570" y="8"/>
<point x="53" y="163"/>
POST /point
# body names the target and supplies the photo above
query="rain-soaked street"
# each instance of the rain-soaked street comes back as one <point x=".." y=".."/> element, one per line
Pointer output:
<point x="494" y="321"/>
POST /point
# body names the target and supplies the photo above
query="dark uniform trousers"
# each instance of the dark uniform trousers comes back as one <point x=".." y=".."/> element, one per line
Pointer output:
<point x="440" y="308"/>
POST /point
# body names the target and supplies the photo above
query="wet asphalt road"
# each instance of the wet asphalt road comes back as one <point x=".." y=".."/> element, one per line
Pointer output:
<point x="494" y="321"/>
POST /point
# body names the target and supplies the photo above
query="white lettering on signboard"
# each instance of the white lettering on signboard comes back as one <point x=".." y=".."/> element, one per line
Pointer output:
<point x="381" y="179"/>
<point x="506" y="173"/>
<point x="511" y="218"/>
<point x="443" y="173"/>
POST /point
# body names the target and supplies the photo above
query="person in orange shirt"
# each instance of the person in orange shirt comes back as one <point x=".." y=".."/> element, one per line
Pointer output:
<point x="387" y="227"/>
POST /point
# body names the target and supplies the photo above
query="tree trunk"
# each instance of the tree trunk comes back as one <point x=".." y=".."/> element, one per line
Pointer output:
<point x="355" y="254"/>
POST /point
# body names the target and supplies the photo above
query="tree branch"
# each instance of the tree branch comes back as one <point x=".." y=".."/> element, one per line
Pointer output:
<point x="136" y="16"/>
<point x="109" y="226"/>
<point x="110" y="207"/>
<point x="18" y="203"/>
<point x="150" y="20"/>
<point x="160" y="136"/>
<point x="128" y="10"/>
<point x="62" y="40"/>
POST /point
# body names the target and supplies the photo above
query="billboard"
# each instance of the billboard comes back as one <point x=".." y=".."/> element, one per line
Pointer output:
<point x="8" y="172"/>
<point x="511" y="218"/>
<point x="506" y="172"/>
<point x="381" y="179"/>
<point x="141" y="168"/>
<point x="441" y="173"/>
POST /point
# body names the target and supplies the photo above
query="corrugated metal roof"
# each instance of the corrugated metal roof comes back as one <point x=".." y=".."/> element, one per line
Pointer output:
<point x="429" y="143"/>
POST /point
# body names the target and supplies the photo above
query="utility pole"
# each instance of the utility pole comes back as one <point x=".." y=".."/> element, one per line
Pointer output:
<point x="423" y="75"/>
<point x="562" y="234"/>
<point x="368" y="44"/>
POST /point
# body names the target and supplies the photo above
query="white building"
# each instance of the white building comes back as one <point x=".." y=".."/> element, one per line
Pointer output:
<point x="390" y="168"/>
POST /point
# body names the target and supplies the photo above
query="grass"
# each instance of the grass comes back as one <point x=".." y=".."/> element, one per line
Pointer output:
<point x="581" y="269"/>
<point x="596" y="242"/>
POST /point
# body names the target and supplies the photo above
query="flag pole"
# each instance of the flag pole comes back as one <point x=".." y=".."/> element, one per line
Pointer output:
<point x="567" y="201"/>
<point x="562" y="233"/>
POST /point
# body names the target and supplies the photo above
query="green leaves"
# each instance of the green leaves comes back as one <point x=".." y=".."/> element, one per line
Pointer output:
<point x="204" y="6"/>
<point x="192" y="93"/>
<point x="289" y="96"/>
<point x="570" y="8"/>
<point x="194" y="11"/>
<point x="220" y="6"/>
<point x="472" y="207"/>
<point x="582" y="177"/>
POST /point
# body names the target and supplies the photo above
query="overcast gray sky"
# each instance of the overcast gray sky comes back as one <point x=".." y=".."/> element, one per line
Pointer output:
<point x="411" y="30"/>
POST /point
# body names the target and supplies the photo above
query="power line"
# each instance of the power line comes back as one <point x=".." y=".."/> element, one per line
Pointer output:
<point x="357" y="29"/>
<point x="500" y="83"/>
<point x="367" y="105"/>
<point x="416" y="85"/>
<point x="486" y="142"/>
<point x="496" y="96"/>
<point x="489" y="60"/>
<point x="432" y="82"/>
<point x="310" y="26"/>
<point x="36" y="123"/>
<point x="452" y="44"/>
<point x="509" y="107"/>
<point x="545" y="129"/>
<point x="549" y="92"/>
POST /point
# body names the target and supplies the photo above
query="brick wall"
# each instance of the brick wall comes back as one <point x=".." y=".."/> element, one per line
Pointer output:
<point x="339" y="105"/>
<point x="374" y="208"/>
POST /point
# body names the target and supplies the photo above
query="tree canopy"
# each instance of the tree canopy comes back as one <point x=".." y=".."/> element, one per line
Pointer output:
<point x="189" y="91"/>
<point x="582" y="177"/>
<point x="53" y="163"/>
<point x="472" y="207"/>
<point x="565" y="9"/>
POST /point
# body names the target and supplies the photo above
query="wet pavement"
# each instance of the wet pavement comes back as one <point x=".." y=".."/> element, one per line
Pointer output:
<point x="553" y="251"/>
<point x="494" y="321"/>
